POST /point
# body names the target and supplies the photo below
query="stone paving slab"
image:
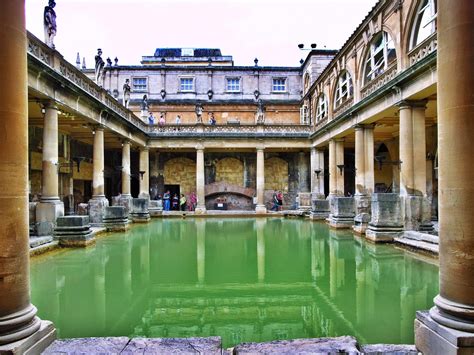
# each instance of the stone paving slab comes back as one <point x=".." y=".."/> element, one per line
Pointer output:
<point x="389" y="349"/>
<point x="76" y="346"/>
<point x="209" y="345"/>
<point x="339" y="345"/>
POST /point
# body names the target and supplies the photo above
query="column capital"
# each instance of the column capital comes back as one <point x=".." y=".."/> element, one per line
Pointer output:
<point x="260" y="148"/>
<point x="126" y="141"/>
<point x="98" y="127"/>
<point x="50" y="104"/>
<point x="360" y="126"/>
<point x="144" y="148"/>
<point x="404" y="104"/>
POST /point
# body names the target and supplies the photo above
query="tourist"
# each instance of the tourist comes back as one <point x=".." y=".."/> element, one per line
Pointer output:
<point x="280" y="200"/>
<point x="193" y="201"/>
<point x="175" y="202"/>
<point x="151" y="119"/>
<point x="178" y="121"/>
<point x="182" y="203"/>
<point x="166" y="199"/>
<point x="212" y="119"/>
<point x="162" y="120"/>
<point x="275" y="201"/>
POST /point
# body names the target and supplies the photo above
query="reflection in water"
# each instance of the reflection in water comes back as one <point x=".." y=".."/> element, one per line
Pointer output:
<point x="242" y="279"/>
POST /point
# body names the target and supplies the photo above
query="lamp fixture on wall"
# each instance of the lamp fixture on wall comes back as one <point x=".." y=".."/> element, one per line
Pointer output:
<point x="142" y="172"/>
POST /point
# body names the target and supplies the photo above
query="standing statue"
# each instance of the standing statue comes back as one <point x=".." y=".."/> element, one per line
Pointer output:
<point x="199" y="110"/>
<point x="144" y="106"/>
<point x="99" y="67"/>
<point x="126" y="93"/>
<point x="49" y="21"/>
<point x="260" y="116"/>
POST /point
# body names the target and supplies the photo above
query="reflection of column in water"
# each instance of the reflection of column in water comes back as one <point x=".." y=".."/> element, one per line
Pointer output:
<point x="127" y="268"/>
<point x="360" y="283"/>
<point x="99" y="289"/>
<point x="201" y="249"/>
<point x="145" y="257"/>
<point x="260" y="224"/>
<point x="332" y="265"/>
<point x="154" y="240"/>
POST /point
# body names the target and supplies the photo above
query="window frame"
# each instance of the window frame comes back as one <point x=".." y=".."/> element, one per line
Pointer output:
<point x="422" y="8"/>
<point x="193" y="84"/>
<point x="134" y="87"/>
<point x="379" y="56"/>
<point x="340" y="96"/>
<point x="321" y="101"/>
<point x="239" y="84"/>
<point x="284" y="86"/>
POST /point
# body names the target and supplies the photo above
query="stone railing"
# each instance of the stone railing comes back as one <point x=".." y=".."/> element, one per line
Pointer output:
<point x="343" y="107"/>
<point x="379" y="81"/>
<point x="321" y="122"/>
<point x="425" y="48"/>
<point x="229" y="130"/>
<point x="56" y="62"/>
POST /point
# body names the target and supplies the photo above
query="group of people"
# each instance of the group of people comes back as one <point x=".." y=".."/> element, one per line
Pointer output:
<point x="181" y="203"/>
<point x="277" y="199"/>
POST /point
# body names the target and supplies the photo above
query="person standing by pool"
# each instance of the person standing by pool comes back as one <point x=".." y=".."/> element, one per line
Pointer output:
<point x="182" y="202"/>
<point x="175" y="202"/>
<point x="280" y="200"/>
<point x="193" y="201"/>
<point x="275" y="201"/>
<point x="166" y="200"/>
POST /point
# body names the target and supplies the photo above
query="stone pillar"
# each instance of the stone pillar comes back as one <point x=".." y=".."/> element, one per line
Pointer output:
<point x="126" y="169"/>
<point x="260" y="208"/>
<point x="20" y="329"/>
<point x="332" y="169"/>
<point x="449" y="326"/>
<point x="417" y="213"/>
<point x="98" y="203"/>
<point x="359" y="160"/>
<point x="369" y="159"/>
<point x="339" y="161"/>
<point x="200" y="182"/>
<point x="50" y="207"/>
<point x="144" y="173"/>
<point x="154" y="173"/>
<point x="303" y="172"/>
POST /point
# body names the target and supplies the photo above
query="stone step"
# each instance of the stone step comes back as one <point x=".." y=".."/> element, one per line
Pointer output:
<point x="417" y="244"/>
<point x="424" y="237"/>
<point x="37" y="241"/>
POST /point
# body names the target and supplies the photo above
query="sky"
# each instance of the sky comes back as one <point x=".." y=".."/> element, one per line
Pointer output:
<point x="269" y="30"/>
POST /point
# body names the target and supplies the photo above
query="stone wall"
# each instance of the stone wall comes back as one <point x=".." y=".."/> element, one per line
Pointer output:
<point x="181" y="171"/>
<point x="276" y="174"/>
<point x="230" y="170"/>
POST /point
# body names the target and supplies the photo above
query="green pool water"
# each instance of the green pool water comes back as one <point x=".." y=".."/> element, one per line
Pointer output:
<point x="242" y="279"/>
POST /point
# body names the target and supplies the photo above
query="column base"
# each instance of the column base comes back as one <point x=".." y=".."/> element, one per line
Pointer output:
<point x="97" y="210"/>
<point x="144" y="195"/>
<point x="47" y="211"/>
<point x="382" y="234"/>
<point x="260" y="209"/>
<point x="434" y="338"/>
<point x="126" y="201"/>
<point x="361" y="223"/>
<point x="36" y="343"/>
<point x="200" y="210"/>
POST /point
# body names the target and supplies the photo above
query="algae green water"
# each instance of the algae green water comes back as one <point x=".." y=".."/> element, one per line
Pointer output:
<point x="242" y="279"/>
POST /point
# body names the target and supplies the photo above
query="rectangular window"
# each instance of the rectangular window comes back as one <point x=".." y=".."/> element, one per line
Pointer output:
<point x="233" y="84"/>
<point x="139" y="84"/>
<point x="279" y="85"/>
<point x="186" y="84"/>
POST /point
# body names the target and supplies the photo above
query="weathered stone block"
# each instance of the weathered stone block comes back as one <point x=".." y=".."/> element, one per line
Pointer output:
<point x="389" y="349"/>
<point x="74" y="231"/>
<point x="342" y="212"/>
<point x="320" y="209"/>
<point x="83" y="209"/>
<point x="344" y="344"/>
<point x="46" y="215"/>
<point x="139" y="210"/>
<point x="97" y="207"/>
<point x="361" y="223"/>
<point x="73" y="221"/>
<point x="386" y="221"/>
<point x="116" y="218"/>
<point x="210" y="345"/>
<point x="305" y="201"/>
<point x="109" y="345"/>
<point x="32" y="217"/>
<point x="155" y="207"/>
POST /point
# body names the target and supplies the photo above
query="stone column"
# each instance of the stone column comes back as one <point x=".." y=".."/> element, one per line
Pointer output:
<point x="200" y="182"/>
<point x="369" y="159"/>
<point x="144" y="173"/>
<point x="359" y="160"/>
<point x="317" y="172"/>
<point x="454" y="306"/>
<point x="125" y="198"/>
<point x="20" y="329"/>
<point x="98" y="203"/>
<point x="413" y="165"/>
<point x="50" y="206"/>
<point x="332" y="169"/>
<point x="154" y="173"/>
<point x="340" y="161"/>
<point x="260" y="208"/>
<point x="126" y="168"/>
<point x="364" y="164"/>
<point x="303" y="172"/>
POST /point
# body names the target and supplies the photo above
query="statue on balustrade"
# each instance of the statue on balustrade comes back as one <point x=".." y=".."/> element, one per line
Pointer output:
<point x="49" y="21"/>
<point x="99" y="67"/>
<point x="260" y="115"/>
<point x="126" y="93"/>
<point x="144" y="106"/>
<point x="199" y="110"/>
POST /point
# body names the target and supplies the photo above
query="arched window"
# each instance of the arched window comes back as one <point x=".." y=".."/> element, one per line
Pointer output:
<point x="344" y="90"/>
<point x="425" y="22"/>
<point x="306" y="82"/>
<point x="380" y="54"/>
<point x="321" y="108"/>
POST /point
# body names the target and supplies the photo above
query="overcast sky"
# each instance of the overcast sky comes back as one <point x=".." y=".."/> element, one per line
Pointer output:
<point x="267" y="29"/>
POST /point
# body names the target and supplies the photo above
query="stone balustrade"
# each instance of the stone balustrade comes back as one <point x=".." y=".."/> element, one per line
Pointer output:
<point x="379" y="81"/>
<point x="425" y="48"/>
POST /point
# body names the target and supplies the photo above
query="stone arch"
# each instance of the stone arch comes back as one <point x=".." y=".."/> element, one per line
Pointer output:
<point x="276" y="174"/>
<point x="181" y="171"/>
<point x="230" y="171"/>
<point x="384" y="171"/>
<point x="411" y="20"/>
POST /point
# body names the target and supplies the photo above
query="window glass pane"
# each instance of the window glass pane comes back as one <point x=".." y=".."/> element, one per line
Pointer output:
<point x="139" y="84"/>
<point x="279" y="84"/>
<point x="233" y="84"/>
<point x="187" y="84"/>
